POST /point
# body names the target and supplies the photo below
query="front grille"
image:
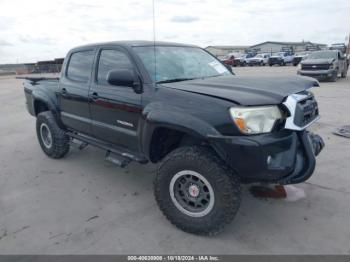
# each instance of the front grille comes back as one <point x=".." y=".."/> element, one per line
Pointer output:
<point x="315" y="67"/>
<point x="274" y="60"/>
<point x="306" y="111"/>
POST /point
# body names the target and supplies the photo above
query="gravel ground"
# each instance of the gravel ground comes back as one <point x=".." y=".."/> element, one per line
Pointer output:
<point x="85" y="205"/>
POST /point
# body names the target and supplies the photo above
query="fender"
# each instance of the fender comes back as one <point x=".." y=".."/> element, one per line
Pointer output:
<point x="156" y="116"/>
<point x="51" y="102"/>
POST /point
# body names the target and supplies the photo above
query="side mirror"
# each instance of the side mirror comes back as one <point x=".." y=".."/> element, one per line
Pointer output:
<point x="121" y="77"/>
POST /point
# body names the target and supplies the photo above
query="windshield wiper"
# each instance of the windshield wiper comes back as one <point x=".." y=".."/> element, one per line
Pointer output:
<point x="173" y="80"/>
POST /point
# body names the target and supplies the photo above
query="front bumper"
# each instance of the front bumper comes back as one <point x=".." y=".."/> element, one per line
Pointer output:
<point x="287" y="157"/>
<point x="255" y="62"/>
<point x="318" y="74"/>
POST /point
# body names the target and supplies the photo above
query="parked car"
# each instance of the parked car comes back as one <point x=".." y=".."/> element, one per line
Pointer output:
<point x="276" y="59"/>
<point x="326" y="64"/>
<point x="298" y="57"/>
<point x="242" y="59"/>
<point x="230" y="59"/>
<point x="208" y="130"/>
<point x="259" y="59"/>
<point x="281" y="58"/>
<point x="287" y="57"/>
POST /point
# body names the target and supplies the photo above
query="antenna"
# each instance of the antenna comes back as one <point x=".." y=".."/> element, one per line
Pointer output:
<point x="154" y="41"/>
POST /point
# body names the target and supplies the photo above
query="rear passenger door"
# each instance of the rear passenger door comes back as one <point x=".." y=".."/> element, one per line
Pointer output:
<point x="74" y="91"/>
<point x="115" y="110"/>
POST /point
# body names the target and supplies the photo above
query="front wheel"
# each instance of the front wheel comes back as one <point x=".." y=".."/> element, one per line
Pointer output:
<point x="196" y="192"/>
<point x="52" y="139"/>
<point x="334" y="78"/>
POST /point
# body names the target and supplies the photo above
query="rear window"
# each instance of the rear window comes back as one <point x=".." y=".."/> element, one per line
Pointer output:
<point x="79" y="67"/>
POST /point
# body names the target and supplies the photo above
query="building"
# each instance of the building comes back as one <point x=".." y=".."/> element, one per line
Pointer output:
<point x="50" y="66"/>
<point x="221" y="51"/>
<point x="271" y="46"/>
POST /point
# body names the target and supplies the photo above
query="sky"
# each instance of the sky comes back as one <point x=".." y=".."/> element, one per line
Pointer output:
<point x="35" y="30"/>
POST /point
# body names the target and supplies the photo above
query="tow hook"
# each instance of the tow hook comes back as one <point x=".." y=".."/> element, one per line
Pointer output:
<point x="316" y="142"/>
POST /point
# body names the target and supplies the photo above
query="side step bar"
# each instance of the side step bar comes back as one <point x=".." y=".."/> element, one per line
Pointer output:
<point x="117" y="159"/>
<point x="114" y="154"/>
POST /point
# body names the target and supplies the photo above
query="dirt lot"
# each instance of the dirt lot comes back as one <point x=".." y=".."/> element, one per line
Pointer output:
<point x="84" y="205"/>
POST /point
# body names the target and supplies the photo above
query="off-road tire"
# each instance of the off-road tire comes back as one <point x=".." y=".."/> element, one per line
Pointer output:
<point x="225" y="185"/>
<point x="60" y="141"/>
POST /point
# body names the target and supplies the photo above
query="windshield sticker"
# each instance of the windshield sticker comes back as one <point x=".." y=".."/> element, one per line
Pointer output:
<point x="218" y="67"/>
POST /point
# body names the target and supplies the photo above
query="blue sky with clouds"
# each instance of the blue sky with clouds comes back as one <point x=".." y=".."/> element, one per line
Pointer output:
<point x="45" y="29"/>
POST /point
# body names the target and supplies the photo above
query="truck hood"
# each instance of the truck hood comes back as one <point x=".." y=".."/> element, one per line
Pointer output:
<point x="247" y="91"/>
<point x="317" y="61"/>
<point x="255" y="59"/>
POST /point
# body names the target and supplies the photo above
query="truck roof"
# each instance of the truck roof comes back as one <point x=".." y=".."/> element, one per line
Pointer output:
<point x="133" y="43"/>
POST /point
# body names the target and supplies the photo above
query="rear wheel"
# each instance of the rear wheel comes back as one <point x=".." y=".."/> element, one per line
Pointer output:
<point x="52" y="139"/>
<point x="196" y="192"/>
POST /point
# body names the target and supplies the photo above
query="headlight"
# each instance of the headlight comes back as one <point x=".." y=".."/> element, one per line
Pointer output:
<point x="255" y="120"/>
<point x="331" y="66"/>
<point x="299" y="65"/>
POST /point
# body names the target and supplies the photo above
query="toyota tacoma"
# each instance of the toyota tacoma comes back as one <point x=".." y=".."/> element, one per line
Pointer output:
<point x="178" y="106"/>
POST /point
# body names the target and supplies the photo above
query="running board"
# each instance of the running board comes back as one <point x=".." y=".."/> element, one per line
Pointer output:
<point x="115" y="154"/>
<point x="80" y="146"/>
<point x="117" y="159"/>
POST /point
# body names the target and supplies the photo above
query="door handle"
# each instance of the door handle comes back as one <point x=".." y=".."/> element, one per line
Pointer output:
<point x="94" y="96"/>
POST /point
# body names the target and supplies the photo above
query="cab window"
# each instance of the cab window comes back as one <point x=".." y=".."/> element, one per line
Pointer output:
<point x="80" y="65"/>
<point x="111" y="60"/>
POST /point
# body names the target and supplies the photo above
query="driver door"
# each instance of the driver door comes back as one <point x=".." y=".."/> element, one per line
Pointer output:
<point x="115" y="110"/>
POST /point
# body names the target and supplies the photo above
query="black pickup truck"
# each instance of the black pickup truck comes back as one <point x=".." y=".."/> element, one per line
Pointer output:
<point x="179" y="106"/>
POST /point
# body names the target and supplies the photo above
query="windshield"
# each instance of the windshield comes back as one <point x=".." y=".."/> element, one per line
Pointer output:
<point x="179" y="63"/>
<point x="322" y="55"/>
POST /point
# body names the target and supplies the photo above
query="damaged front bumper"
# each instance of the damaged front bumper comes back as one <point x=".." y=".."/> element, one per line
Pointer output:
<point x="310" y="146"/>
<point x="288" y="157"/>
<point x="284" y="157"/>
